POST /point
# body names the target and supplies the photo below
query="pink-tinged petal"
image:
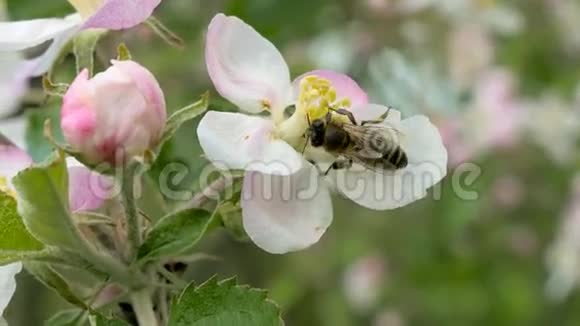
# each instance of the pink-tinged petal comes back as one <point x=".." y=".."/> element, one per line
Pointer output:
<point x="12" y="159"/>
<point x="285" y="213"/>
<point x="78" y="114"/>
<point x="121" y="14"/>
<point x="146" y="83"/>
<point x="118" y="114"/>
<point x="246" y="68"/>
<point x="8" y="283"/>
<point x="21" y="35"/>
<point x="87" y="190"/>
<point x="344" y="85"/>
<point x="238" y="141"/>
<point x="427" y="158"/>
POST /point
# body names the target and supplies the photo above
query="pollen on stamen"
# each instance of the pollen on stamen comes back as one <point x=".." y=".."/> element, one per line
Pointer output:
<point x="266" y="104"/>
<point x="318" y="96"/>
<point x="5" y="188"/>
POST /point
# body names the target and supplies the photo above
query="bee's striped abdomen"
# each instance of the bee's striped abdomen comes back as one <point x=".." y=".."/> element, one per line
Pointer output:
<point x="396" y="157"/>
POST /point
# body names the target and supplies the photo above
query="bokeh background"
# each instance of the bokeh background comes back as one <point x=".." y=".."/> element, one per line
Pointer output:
<point x="501" y="79"/>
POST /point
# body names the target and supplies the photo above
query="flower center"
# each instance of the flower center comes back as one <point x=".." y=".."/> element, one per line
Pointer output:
<point x="86" y="8"/>
<point x="317" y="96"/>
<point x="5" y="188"/>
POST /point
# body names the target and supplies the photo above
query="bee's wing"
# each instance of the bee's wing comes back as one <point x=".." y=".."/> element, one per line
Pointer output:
<point x="372" y="141"/>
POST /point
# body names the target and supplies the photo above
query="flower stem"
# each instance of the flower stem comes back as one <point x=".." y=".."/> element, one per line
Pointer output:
<point x="133" y="218"/>
<point x="143" y="307"/>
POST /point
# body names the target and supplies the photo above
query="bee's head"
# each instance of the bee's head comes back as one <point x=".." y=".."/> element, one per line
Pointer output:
<point x="316" y="130"/>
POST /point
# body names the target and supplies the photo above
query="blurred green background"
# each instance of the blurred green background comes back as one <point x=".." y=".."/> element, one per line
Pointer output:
<point x="507" y="257"/>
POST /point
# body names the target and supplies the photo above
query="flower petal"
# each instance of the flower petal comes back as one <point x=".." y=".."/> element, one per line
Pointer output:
<point x="146" y="84"/>
<point x="14" y="129"/>
<point x="427" y="157"/>
<point x="88" y="190"/>
<point x="13" y="82"/>
<point x="8" y="283"/>
<point x="41" y="64"/>
<point x="344" y="85"/>
<point x="121" y="14"/>
<point x="238" y="141"/>
<point x="12" y="159"/>
<point x="285" y="213"/>
<point x="245" y="67"/>
<point x="21" y="35"/>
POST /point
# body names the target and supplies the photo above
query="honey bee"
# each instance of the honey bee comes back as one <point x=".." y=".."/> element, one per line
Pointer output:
<point x="371" y="144"/>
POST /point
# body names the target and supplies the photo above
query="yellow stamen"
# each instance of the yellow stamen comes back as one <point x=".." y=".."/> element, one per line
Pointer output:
<point x="86" y="8"/>
<point x="5" y="188"/>
<point x="316" y="98"/>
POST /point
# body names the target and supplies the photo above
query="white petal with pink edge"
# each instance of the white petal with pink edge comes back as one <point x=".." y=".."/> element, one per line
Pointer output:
<point x="239" y="141"/>
<point x="12" y="160"/>
<point x="8" y="283"/>
<point x="121" y="14"/>
<point x="20" y="35"/>
<point x="344" y="85"/>
<point x="245" y="67"/>
<point x="427" y="157"/>
<point x="285" y="213"/>
<point x="88" y="190"/>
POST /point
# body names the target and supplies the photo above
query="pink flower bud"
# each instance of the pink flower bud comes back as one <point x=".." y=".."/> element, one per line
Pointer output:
<point x="116" y="115"/>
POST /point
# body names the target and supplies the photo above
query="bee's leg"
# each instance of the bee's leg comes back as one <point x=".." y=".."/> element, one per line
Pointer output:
<point x="307" y="134"/>
<point x="316" y="166"/>
<point x="347" y="113"/>
<point x="306" y="143"/>
<point x="380" y="119"/>
<point x="337" y="165"/>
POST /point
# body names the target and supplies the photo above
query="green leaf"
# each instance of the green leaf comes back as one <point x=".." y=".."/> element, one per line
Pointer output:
<point x="43" y="204"/>
<point x="14" y="237"/>
<point x="224" y="303"/>
<point x="183" y="115"/>
<point x="69" y="317"/>
<point x="100" y="320"/>
<point x="36" y="144"/>
<point x="53" y="89"/>
<point x="53" y="280"/>
<point x="175" y="234"/>
<point x="165" y="33"/>
<point x="84" y="45"/>
<point x="123" y="53"/>
<point x="231" y="216"/>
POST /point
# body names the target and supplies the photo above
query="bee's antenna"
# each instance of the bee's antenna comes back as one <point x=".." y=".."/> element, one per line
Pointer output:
<point x="307" y="134"/>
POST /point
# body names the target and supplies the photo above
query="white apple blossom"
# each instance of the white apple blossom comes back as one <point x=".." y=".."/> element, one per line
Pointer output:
<point x="107" y="14"/>
<point x="286" y="205"/>
<point x="498" y="16"/>
<point x="563" y="258"/>
<point x="554" y="124"/>
<point x="363" y="282"/>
